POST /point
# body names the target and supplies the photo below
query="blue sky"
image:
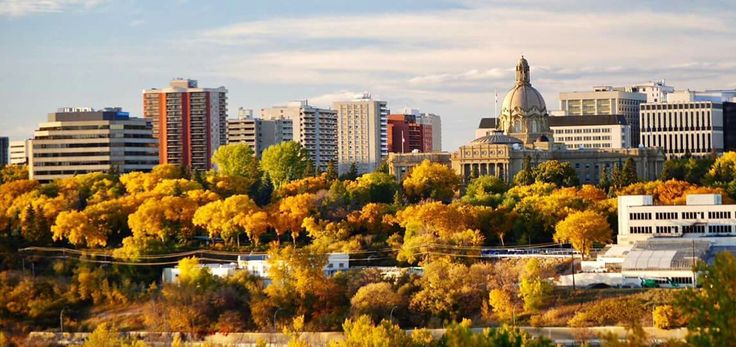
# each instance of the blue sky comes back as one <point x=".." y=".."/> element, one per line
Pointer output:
<point x="446" y="57"/>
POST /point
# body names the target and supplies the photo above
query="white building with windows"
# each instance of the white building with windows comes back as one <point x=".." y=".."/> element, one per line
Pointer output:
<point x="20" y="151"/>
<point x="257" y="264"/>
<point x="362" y="128"/>
<point x="688" y="122"/>
<point x="599" y="131"/>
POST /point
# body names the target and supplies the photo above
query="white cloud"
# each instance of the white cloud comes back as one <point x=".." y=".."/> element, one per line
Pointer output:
<point x="19" y="8"/>
<point x="136" y="23"/>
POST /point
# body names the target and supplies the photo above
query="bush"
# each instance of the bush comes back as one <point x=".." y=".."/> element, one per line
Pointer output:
<point x="664" y="317"/>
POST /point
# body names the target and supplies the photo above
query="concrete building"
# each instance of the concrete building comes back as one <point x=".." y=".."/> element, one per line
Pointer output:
<point x="523" y="130"/>
<point x="400" y="164"/>
<point x="19" y="152"/>
<point x="606" y="100"/>
<point x="4" y="151"/>
<point x="82" y="140"/>
<point x="689" y="122"/>
<point x="362" y="133"/>
<point x="314" y="128"/>
<point x="599" y="131"/>
<point x="171" y="274"/>
<point x="189" y="122"/>
<point x="435" y="122"/>
<point x="258" y="133"/>
<point x="655" y="91"/>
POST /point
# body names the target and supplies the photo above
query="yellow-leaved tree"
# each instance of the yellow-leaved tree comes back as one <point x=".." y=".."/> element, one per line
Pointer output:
<point x="76" y="227"/>
<point x="430" y="180"/>
<point x="582" y="229"/>
<point x="230" y="217"/>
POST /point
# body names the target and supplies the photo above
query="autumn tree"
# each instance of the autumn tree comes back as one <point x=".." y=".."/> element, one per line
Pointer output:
<point x="362" y="332"/>
<point x="375" y="187"/>
<point x="502" y="304"/>
<point x="76" y="227"/>
<point x="430" y="180"/>
<point x="10" y="173"/>
<point x="192" y="273"/>
<point x="289" y="213"/>
<point x="230" y="217"/>
<point x="582" y="229"/>
<point x="723" y="170"/>
<point x="375" y="300"/>
<point x="711" y="308"/>
<point x="284" y="162"/>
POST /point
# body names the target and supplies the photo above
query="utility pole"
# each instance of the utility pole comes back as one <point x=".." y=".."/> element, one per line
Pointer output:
<point x="572" y="267"/>
<point x="61" y="320"/>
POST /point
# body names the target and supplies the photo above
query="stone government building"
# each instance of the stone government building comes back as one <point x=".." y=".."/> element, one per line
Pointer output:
<point x="523" y="131"/>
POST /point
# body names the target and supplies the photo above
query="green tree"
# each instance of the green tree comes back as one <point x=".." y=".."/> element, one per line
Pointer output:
<point x="284" y="162"/>
<point x="362" y="333"/>
<point x="629" y="171"/>
<point x="352" y="173"/>
<point x="236" y="159"/>
<point x="525" y="176"/>
<point x="534" y="290"/>
<point x="309" y="169"/>
<point x="604" y="182"/>
<point x="378" y="186"/>
<point x="711" y="309"/>
<point x="485" y="190"/>
<point x="331" y="171"/>
<point x="263" y="190"/>
<point x="561" y="174"/>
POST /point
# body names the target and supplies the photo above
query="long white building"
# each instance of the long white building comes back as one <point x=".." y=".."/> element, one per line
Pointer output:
<point x="314" y="128"/>
<point x="82" y="140"/>
<point x="20" y="151"/>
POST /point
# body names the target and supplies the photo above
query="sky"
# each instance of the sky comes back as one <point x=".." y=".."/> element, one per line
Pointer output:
<point x="448" y="57"/>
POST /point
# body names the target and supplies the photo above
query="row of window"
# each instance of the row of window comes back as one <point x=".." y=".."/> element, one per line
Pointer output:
<point x="640" y="216"/>
<point x="684" y="215"/>
<point x="687" y="229"/>
<point x="583" y="131"/>
<point x="585" y="138"/>
<point x="686" y="106"/>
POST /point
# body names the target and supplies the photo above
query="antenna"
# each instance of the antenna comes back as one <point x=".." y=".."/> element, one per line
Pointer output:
<point x="495" y="106"/>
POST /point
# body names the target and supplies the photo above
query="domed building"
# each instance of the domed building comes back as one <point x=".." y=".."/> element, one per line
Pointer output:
<point x="522" y="130"/>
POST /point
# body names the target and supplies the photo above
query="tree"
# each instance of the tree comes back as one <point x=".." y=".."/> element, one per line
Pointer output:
<point x="526" y="175"/>
<point x="582" y="229"/>
<point x="561" y="174"/>
<point x="331" y="171"/>
<point x="604" y="182"/>
<point x="362" y="333"/>
<point x="191" y="273"/>
<point x="502" y="304"/>
<point x="236" y="159"/>
<point x="309" y="169"/>
<point x="352" y="173"/>
<point x="76" y="227"/>
<point x="723" y="169"/>
<point x="378" y="186"/>
<point x="534" y="290"/>
<point x="375" y="300"/>
<point x="10" y="173"/>
<point x="485" y="190"/>
<point x="229" y="218"/>
<point x="263" y="190"/>
<point x="629" y="171"/>
<point x="284" y="162"/>
<point x="430" y="180"/>
<point x="711" y="308"/>
<point x="290" y="212"/>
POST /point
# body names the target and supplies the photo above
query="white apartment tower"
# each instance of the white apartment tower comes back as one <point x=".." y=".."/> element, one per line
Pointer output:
<point x="314" y="128"/>
<point x="82" y="140"/>
<point x="362" y="133"/>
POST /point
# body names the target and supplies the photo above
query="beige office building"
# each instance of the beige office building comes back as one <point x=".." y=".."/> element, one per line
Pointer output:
<point x="362" y="133"/>
<point x="258" y="133"/>
<point x="606" y="100"/>
<point x="19" y="152"/>
<point x="82" y="140"/>
<point x="314" y="128"/>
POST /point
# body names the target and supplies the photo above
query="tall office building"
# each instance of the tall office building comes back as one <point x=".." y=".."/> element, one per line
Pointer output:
<point x="258" y="133"/>
<point x="190" y="122"/>
<point x="435" y="122"/>
<point x="4" y="151"/>
<point x="314" y="128"/>
<point x="410" y="131"/>
<point x="362" y="132"/>
<point x="19" y="152"/>
<point x="82" y="140"/>
<point x="688" y="123"/>
<point x="606" y="100"/>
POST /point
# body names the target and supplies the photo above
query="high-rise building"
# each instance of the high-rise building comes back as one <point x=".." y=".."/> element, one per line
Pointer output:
<point x="314" y="128"/>
<point x="362" y="133"/>
<point x="435" y="122"/>
<point x="258" y="133"/>
<point x="4" y="151"/>
<point x="82" y="140"/>
<point x="190" y="122"/>
<point x="606" y="100"/>
<point x="411" y="130"/>
<point x="689" y="122"/>
<point x="19" y="152"/>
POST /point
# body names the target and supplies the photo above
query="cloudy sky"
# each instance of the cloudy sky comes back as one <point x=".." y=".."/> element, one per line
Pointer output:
<point x="443" y="56"/>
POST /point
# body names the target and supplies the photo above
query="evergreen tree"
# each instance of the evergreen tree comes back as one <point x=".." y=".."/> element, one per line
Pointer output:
<point x="398" y="199"/>
<point x="331" y="171"/>
<point x="198" y="177"/>
<point x="474" y="173"/>
<point x="383" y="167"/>
<point x="309" y="169"/>
<point x="263" y="190"/>
<point x="629" y="172"/>
<point x="604" y="182"/>
<point x="525" y="176"/>
<point x="352" y="173"/>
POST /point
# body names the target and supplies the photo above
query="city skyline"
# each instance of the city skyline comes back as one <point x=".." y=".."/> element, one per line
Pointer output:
<point x="268" y="54"/>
